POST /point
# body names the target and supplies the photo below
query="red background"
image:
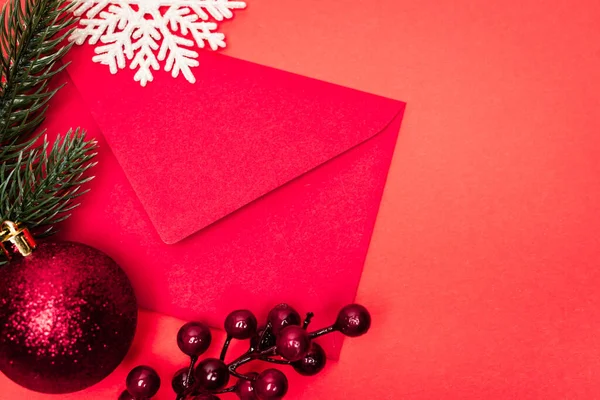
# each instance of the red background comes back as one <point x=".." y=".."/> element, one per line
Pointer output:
<point x="483" y="270"/>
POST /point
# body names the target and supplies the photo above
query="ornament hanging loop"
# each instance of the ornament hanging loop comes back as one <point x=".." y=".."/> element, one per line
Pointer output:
<point x="15" y="240"/>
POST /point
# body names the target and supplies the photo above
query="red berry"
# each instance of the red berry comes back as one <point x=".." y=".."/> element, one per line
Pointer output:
<point x="143" y="382"/>
<point x="193" y="338"/>
<point x="212" y="374"/>
<point x="283" y="315"/>
<point x="271" y="384"/>
<point x="293" y="343"/>
<point x="313" y="362"/>
<point x="353" y="320"/>
<point x="240" y="324"/>
<point x="178" y="381"/>
<point x="244" y="388"/>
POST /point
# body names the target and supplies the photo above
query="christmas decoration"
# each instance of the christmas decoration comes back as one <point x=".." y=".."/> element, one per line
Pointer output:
<point x="144" y="32"/>
<point x="39" y="185"/>
<point x="283" y="340"/>
<point x="67" y="314"/>
<point x="142" y="382"/>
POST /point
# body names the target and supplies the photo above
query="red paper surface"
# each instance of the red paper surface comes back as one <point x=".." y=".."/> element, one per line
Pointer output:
<point x="287" y="172"/>
<point x="195" y="153"/>
<point x="482" y="274"/>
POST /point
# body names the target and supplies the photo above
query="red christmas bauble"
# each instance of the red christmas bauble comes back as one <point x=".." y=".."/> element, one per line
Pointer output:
<point x="68" y="315"/>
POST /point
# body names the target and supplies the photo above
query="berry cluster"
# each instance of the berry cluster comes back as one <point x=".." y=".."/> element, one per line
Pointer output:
<point x="283" y="340"/>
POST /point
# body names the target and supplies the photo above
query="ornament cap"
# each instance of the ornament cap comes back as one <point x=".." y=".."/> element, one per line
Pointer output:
<point x="15" y="239"/>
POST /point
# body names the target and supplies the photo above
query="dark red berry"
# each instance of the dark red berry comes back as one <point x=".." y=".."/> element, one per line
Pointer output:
<point x="353" y="320"/>
<point x="125" y="395"/>
<point x="271" y="384"/>
<point x="178" y="381"/>
<point x="241" y="324"/>
<point x="293" y="343"/>
<point x="313" y="362"/>
<point x="268" y="340"/>
<point x="283" y="315"/>
<point x="244" y="388"/>
<point x="143" y="382"/>
<point x="193" y="338"/>
<point x="212" y="374"/>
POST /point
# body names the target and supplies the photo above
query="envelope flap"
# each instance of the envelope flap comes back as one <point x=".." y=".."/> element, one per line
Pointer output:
<point x="195" y="153"/>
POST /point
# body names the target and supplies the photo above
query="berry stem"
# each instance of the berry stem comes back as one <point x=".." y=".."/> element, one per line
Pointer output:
<point x="274" y="360"/>
<point x="246" y="358"/>
<point x="193" y="360"/>
<point x="309" y="317"/>
<point x="225" y="347"/>
<point x="322" y="332"/>
<point x="243" y="359"/>
<point x="271" y="351"/>
<point x="227" y="390"/>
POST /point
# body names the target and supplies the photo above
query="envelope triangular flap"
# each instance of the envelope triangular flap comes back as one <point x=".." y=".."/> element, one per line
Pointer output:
<point x="195" y="153"/>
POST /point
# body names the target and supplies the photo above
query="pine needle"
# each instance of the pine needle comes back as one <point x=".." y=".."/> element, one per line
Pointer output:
<point x="40" y="185"/>
<point x="31" y="42"/>
<point x="46" y="182"/>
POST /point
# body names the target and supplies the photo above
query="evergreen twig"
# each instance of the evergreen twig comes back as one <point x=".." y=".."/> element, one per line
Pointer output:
<point x="32" y="34"/>
<point x="45" y="184"/>
<point x="38" y="185"/>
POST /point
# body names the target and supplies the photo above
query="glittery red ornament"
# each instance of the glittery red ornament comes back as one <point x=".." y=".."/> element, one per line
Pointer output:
<point x="68" y="315"/>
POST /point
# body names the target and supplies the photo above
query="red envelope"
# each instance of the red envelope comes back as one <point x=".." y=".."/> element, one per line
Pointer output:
<point x="251" y="187"/>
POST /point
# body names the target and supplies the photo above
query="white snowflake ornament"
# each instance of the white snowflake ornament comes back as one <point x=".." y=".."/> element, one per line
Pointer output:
<point x="144" y="33"/>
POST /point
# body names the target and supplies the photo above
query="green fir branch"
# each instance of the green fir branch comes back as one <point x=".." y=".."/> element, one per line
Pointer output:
<point x="39" y="185"/>
<point x="32" y="34"/>
<point x="45" y="184"/>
